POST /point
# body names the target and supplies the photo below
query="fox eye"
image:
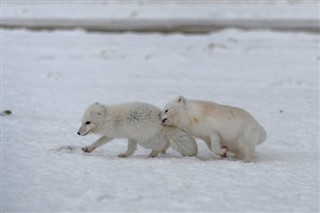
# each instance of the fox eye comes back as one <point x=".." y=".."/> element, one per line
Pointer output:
<point x="166" y="111"/>
<point x="88" y="122"/>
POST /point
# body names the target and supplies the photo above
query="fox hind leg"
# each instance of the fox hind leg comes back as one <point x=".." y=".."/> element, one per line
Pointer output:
<point x="165" y="148"/>
<point x="132" y="147"/>
<point x="153" y="154"/>
<point x="246" y="151"/>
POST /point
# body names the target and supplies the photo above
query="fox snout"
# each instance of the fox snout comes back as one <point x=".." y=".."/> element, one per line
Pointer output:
<point x="163" y="118"/>
<point x="80" y="132"/>
<point x="163" y="121"/>
<point x="84" y="130"/>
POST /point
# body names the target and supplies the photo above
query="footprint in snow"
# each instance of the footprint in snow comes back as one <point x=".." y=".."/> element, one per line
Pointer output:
<point x="69" y="149"/>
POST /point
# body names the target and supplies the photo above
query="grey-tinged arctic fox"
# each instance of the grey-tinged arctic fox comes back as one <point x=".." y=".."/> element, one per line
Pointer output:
<point x="138" y="122"/>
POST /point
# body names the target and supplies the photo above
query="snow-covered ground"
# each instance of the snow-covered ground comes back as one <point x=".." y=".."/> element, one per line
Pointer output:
<point x="162" y="9"/>
<point x="49" y="78"/>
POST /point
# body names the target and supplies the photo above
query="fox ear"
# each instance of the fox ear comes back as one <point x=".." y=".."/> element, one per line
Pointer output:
<point x="102" y="112"/>
<point x="101" y="109"/>
<point x="181" y="99"/>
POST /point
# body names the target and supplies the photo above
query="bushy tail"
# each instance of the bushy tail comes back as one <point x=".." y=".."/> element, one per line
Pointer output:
<point x="263" y="135"/>
<point x="181" y="141"/>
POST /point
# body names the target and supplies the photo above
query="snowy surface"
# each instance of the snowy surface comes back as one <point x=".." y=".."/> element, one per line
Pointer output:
<point x="49" y="78"/>
<point x="214" y="10"/>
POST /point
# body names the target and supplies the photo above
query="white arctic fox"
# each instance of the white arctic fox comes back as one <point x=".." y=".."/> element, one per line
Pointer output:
<point x="139" y="123"/>
<point x="223" y="128"/>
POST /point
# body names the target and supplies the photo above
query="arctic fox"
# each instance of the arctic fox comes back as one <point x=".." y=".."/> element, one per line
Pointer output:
<point x="139" y="123"/>
<point x="223" y="128"/>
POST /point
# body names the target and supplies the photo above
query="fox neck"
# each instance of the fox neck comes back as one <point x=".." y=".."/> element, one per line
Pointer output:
<point x="190" y="116"/>
<point x="106" y="127"/>
<point x="185" y="120"/>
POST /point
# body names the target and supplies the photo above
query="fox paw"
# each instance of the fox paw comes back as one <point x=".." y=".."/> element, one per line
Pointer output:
<point x="87" y="149"/>
<point x="223" y="152"/>
<point x="123" y="155"/>
<point x="153" y="155"/>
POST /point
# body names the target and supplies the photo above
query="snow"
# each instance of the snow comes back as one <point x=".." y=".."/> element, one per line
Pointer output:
<point x="158" y="10"/>
<point x="49" y="78"/>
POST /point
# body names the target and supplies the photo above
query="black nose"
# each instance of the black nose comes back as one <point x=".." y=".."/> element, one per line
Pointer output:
<point x="164" y="120"/>
<point x="78" y="133"/>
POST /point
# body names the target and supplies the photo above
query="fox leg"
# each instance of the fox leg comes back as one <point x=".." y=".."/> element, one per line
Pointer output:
<point x="248" y="153"/>
<point x="165" y="148"/>
<point x="132" y="147"/>
<point x="153" y="154"/>
<point x="102" y="140"/>
<point x="216" y="145"/>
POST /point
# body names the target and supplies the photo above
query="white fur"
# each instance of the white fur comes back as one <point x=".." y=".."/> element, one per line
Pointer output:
<point x="223" y="128"/>
<point x="139" y="123"/>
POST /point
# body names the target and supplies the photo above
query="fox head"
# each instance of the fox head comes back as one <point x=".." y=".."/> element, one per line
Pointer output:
<point x="173" y="112"/>
<point x="92" y="119"/>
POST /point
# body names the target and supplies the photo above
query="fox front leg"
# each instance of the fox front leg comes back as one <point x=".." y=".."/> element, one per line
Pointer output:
<point x="216" y="147"/>
<point x="102" y="140"/>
